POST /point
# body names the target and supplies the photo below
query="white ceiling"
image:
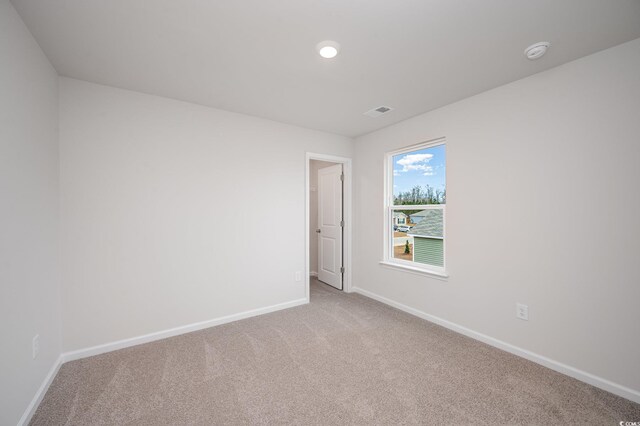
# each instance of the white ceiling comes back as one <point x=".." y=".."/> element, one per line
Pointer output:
<point x="258" y="56"/>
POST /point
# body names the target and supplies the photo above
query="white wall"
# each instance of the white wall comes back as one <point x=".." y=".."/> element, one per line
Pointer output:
<point x="559" y="155"/>
<point x="314" y="166"/>
<point x="174" y="213"/>
<point x="29" y="278"/>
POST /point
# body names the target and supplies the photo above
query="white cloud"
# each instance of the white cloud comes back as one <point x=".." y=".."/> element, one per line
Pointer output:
<point x="396" y="173"/>
<point x="416" y="162"/>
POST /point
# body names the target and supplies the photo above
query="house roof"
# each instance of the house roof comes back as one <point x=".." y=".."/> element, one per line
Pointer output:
<point x="421" y="213"/>
<point x="430" y="226"/>
<point x="399" y="214"/>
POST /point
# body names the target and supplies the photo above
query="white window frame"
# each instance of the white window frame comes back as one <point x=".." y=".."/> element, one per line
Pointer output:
<point x="389" y="207"/>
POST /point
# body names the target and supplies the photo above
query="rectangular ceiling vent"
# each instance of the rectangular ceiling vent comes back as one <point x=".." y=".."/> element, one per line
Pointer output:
<point x="376" y="112"/>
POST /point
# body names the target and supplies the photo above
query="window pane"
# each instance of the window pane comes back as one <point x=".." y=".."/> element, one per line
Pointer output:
<point x="420" y="239"/>
<point x="419" y="176"/>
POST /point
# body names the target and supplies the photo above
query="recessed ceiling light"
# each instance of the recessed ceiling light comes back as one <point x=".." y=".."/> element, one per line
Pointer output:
<point x="328" y="49"/>
<point x="536" y="50"/>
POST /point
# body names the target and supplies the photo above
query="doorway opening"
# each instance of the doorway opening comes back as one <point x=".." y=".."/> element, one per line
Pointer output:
<point x="328" y="221"/>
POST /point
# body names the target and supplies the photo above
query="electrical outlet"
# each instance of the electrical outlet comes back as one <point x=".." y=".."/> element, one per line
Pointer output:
<point x="522" y="311"/>
<point x="35" y="345"/>
<point x="298" y="276"/>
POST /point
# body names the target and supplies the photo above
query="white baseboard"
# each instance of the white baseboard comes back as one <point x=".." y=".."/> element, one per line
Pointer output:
<point x="583" y="376"/>
<point x="151" y="337"/>
<point x="42" y="390"/>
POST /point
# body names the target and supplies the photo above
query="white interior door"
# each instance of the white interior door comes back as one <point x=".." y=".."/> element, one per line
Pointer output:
<point x="330" y="225"/>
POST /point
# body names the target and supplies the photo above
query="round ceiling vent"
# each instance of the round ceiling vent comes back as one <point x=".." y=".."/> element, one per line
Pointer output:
<point x="536" y="50"/>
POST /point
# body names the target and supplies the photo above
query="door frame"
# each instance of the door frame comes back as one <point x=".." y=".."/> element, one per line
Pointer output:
<point x="346" y="162"/>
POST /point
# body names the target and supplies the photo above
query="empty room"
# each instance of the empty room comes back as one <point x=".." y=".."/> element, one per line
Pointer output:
<point x="240" y="212"/>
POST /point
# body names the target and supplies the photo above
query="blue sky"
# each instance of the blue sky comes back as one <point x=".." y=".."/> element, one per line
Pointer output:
<point x="421" y="167"/>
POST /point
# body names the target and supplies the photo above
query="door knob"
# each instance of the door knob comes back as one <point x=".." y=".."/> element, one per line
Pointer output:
<point x="317" y="231"/>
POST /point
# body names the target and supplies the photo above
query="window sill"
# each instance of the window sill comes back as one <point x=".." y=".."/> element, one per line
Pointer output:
<point x="414" y="270"/>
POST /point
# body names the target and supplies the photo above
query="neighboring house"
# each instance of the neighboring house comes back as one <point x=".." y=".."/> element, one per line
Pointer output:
<point x="428" y="242"/>
<point x="399" y="218"/>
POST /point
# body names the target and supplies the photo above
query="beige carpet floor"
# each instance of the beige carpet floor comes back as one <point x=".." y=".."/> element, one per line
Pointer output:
<point x="342" y="359"/>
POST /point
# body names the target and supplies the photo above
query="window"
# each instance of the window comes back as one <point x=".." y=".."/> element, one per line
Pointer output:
<point x="415" y="199"/>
